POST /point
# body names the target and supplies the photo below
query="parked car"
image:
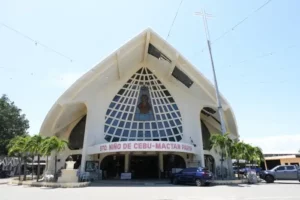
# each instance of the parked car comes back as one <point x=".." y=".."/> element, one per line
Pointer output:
<point x="4" y="174"/>
<point x="281" y="172"/>
<point x="194" y="175"/>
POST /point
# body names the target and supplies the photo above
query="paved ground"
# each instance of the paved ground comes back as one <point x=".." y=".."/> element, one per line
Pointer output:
<point x="276" y="191"/>
<point x="4" y="180"/>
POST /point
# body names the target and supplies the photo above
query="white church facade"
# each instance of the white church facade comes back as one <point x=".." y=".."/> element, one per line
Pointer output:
<point x="143" y="110"/>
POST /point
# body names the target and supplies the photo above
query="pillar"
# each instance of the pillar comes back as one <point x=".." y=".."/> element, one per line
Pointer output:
<point x="126" y="163"/>
<point x="161" y="164"/>
<point x="84" y="150"/>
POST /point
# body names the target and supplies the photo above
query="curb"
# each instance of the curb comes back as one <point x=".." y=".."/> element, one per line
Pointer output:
<point x="50" y="184"/>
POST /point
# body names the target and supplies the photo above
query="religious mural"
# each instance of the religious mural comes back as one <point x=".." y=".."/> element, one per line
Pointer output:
<point x="144" y="109"/>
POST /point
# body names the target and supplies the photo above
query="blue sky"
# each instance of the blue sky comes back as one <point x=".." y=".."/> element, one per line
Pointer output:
<point x="263" y="91"/>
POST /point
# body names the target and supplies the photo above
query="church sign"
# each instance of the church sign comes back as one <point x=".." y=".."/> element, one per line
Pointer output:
<point x="142" y="146"/>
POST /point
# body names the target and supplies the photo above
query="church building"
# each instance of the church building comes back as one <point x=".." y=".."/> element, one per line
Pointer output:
<point x="143" y="110"/>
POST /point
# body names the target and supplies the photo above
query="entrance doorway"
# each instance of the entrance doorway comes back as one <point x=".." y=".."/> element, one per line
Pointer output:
<point x="144" y="167"/>
<point x="112" y="166"/>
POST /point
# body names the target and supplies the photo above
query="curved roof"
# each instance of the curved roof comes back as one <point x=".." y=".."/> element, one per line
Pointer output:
<point x="137" y="51"/>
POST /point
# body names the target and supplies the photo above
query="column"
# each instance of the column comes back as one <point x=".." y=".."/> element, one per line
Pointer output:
<point x="84" y="150"/>
<point x="161" y="164"/>
<point x="126" y="163"/>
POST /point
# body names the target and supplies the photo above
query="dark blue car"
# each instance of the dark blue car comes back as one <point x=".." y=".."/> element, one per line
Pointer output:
<point x="193" y="175"/>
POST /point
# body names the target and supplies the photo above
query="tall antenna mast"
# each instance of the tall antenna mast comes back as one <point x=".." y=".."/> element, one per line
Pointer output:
<point x="220" y="109"/>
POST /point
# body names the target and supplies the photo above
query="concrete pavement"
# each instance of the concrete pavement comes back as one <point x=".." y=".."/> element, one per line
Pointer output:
<point x="277" y="191"/>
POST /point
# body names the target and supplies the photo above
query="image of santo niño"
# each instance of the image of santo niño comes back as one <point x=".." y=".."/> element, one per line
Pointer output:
<point x="144" y="106"/>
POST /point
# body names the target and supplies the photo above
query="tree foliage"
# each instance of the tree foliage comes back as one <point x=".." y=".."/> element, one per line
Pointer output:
<point x="12" y="123"/>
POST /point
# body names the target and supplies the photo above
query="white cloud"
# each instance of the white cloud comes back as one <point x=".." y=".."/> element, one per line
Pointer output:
<point x="276" y="144"/>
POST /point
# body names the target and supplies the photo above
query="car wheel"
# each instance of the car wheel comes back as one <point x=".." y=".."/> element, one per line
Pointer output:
<point x="198" y="182"/>
<point x="175" y="181"/>
<point x="269" y="179"/>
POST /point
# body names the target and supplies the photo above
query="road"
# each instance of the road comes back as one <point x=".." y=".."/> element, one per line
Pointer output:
<point x="276" y="191"/>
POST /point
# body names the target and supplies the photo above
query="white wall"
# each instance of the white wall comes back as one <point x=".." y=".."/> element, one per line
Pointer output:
<point x="98" y="97"/>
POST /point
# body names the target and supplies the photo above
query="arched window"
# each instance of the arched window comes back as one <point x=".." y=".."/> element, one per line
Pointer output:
<point x="143" y="110"/>
<point x="205" y="136"/>
<point x="77" y="135"/>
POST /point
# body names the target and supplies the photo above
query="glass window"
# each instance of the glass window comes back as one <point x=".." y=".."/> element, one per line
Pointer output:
<point x="119" y="115"/>
<point x="175" y="131"/>
<point x="109" y="120"/>
<point x="160" y="125"/>
<point x="113" y="113"/>
<point x="147" y="125"/>
<point x="169" y="116"/>
<point x="117" y="106"/>
<point x="162" y="133"/>
<point x="108" y="111"/>
<point x="140" y="134"/>
<point x="147" y="134"/>
<point x="174" y="115"/>
<point x="107" y="138"/>
<point x="178" y="138"/>
<point x="169" y="132"/>
<point x="111" y="130"/>
<point x="141" y="125"/>
<point x="105" y="128"/>
<point x="116" y="98"/>
<point x="280" y="168"/>
<point x="175" y="106"/>
<point x="134" y="125"/>
<point x="127" y="125"/>
<point x="177" y="121"/>
<point x="143" y="100"/>
<point x="132" y="133"/>
<point x="115" y="123"/>
<point x="125" y="133"/>
<point x="124" y="116"/>
<point x="121" y="124"/>
<point x="118" y="132"/>
<point x="166" y="124"/>
<point x="290" y="168"/>
<point x="132" y="109"/>
<point x="172" y="123"/>
<point x="153" y="124"/>
<point x="180" y="128"/>
<point x="115" y="139"/>
<point x="155" y="133"/>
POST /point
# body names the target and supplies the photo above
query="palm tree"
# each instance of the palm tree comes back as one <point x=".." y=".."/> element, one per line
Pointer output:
<point x="46" y="150"/>
<point x="238" y="151"/>
<point x="53" y="144"/>
<point x="34" y="147"/>
<point x="17" y="147"/>
<point x="222" y="144"/>
<point x="258" y="155"/>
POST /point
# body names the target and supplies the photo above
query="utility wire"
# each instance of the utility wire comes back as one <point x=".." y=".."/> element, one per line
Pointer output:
<point x="37" y="42"/>
<point x="239" y="23"/>
<point x="174" y="19"/>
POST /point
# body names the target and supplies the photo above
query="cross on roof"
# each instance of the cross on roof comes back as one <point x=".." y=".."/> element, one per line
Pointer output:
<point x="205" y="16"/>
